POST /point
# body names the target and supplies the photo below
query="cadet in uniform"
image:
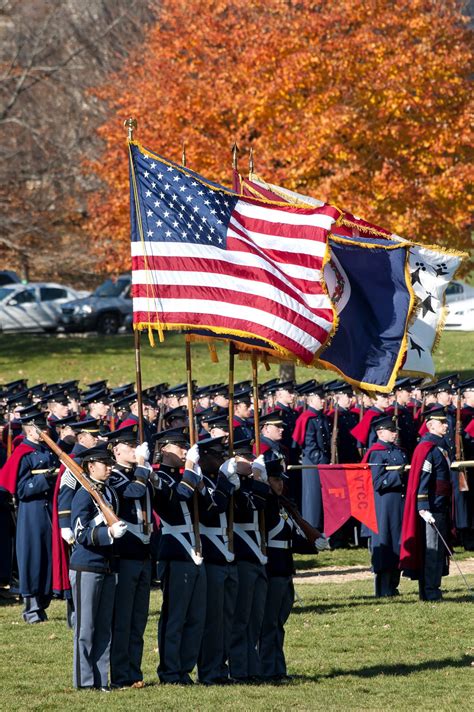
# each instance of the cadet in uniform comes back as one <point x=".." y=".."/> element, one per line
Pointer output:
<point x="249" y="500"/>
<point x="312" y="435"/>
<point x="407" y="434"/>
<point x="346" y="445"/>
<point x="428" y="501"/>
<point x="180" y="570"/>
<point x="280" y="530"/>
<point x="243" y="424"/>
<point x="272" y="428"/>
<point x="221" y="572"/>
<point x="92" y="575"/>
<point x="37" y="470"/>
<point x="389" y="493"/>
<point x="363" y="432"/>
<point x="130" y="482"/>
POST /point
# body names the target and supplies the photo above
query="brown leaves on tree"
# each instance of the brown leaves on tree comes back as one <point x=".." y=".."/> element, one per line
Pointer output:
<point x="362" y="104"/>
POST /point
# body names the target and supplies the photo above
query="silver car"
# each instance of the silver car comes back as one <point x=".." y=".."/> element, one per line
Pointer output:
<point x="33" y="307"/>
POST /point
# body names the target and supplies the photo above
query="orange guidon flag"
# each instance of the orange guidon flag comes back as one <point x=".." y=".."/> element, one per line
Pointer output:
<point x="347" y="491"/>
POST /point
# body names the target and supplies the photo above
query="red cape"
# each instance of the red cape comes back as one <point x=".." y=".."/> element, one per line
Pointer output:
<point x="375" y="448"/>
<point x="131" y="420"/>
<point x="299" y="432"/>
<point x="470" y="429"/>
<point x="9" y="472"/>
<point x="361" y="430"/>
<point x="411" y="550"/>
<point x="60" y="549"/>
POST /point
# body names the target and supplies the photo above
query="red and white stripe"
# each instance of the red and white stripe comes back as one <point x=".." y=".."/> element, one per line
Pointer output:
<point x="267" y="283"/>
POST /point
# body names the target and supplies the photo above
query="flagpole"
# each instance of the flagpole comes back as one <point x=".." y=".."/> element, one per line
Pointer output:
<point x="230" y="511"/>
<point x="138" y="379"/>
<point x="256" y="421"/>
<point x="131" y="124"/>
<point x="192" y="422"/>
<point x="192" y="440"/>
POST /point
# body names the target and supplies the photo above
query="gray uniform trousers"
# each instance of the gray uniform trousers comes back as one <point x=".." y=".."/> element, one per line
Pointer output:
<point x="386" y="583"/>
<point x="278" y="605"/>
<point x="132" y="602"/>
<point x="222" y="585"/>
<point x="182" y="618"/>
<point x="311" y="496"/>
<point x="93" y="595"/>
<point x="248" y="617"/>
<point x="434" y="559"/>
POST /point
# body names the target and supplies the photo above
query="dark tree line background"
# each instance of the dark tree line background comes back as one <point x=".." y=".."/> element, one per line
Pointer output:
<point x="52" y="53"/>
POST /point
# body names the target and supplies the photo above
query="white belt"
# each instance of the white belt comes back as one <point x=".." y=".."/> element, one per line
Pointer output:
<point x="241" y="530"/>
<point x="218" y="537"/>
<point x="215" y="531"/>
<point x="137" y="530"/>
<point x="178" y="533"/>
<point x="176" y="528"/>
<point x="276" y="544"/>
<point x="248" y="527"/>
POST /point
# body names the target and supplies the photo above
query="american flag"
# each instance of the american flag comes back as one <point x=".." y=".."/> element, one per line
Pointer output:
<point x="206" y="258"/>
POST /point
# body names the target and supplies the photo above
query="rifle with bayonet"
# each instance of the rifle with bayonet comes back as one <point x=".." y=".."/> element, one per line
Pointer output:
<point x="334" y="435"/>
<point x="462" y="476"/>
<point x="310" y="532"/>
<point x="74" y="467"/>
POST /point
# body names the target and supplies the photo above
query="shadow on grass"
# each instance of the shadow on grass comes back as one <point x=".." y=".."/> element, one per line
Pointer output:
<point x="395" y="669"/>
<point x="333" y="572"/>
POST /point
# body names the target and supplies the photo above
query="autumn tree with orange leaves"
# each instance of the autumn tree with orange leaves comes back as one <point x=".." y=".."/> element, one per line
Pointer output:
<point x="363" y="103"/>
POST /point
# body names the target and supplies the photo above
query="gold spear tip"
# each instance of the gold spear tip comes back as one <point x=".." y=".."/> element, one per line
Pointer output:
<point x="235" y="151"/>
<point x="183" y="155"/>
<point x="251" y="163"/>
<point x="130" y="124"/>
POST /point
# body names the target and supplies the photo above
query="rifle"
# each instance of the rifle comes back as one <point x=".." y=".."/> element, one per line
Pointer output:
<point x="310" y="532"/>
<point x="9" y="439"/>
<point x="462" y="477"/>
<point x="335" y="432"/>
<point x="74" y="467"/>
<point x="361" y="415"/>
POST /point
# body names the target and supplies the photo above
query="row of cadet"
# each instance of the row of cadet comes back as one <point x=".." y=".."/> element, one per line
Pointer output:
<point x="37" y="481"/>
<point x="320" y="423"/>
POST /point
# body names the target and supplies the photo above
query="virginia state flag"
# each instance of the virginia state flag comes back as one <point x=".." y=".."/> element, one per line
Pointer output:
<point x="368" y="280"/>
<point x="371" y="291"/>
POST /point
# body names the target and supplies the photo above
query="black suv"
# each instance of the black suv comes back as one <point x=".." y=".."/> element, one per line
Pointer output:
<point x="105" y="310"/>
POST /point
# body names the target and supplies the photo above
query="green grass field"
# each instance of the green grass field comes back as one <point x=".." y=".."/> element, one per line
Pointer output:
<point x="53" y="358"/>
<point x="348" y="651"/>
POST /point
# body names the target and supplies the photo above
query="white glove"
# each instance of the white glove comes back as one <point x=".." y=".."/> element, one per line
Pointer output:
<point x="142" y="452"/>
<point x="258" y="465"/>
<point x="427" y="516"/>
<point x="67" y="535"/>
<point x="322" y="543"/>
<point x="117" y="529"/>
<point x="228" y="467"/>
<point x="193" y="454"/>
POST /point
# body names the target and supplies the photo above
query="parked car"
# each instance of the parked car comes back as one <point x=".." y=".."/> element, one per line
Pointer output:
<point x="105" y="310"/>
<point x="456" y="291"/>
<point x="460" y="315"/>
<point x="35" y="306"/>
<point x="7" y="276"/>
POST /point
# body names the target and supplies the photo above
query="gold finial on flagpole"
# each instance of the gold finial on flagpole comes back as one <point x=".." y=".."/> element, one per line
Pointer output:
<point x="235" y="153"/>
<point x="130" y="124"/>
<point x="183" y="155"/>
<point x="251" y="165"/>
